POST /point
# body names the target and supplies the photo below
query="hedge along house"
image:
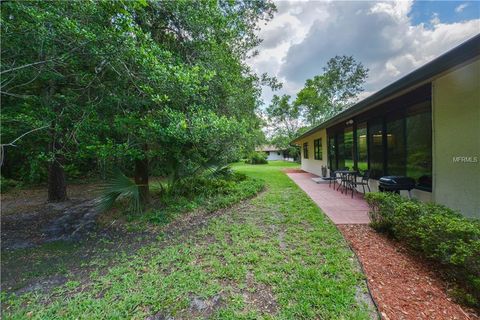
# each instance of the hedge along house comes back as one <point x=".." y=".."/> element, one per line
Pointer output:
<point x="426" y="126"/>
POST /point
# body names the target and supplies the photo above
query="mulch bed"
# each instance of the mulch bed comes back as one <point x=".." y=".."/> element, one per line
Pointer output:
<point x="293" y="171"/>
<point x="404" y="286"/>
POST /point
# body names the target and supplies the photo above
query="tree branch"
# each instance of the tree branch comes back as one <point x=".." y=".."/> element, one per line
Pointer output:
<point x="27" y="65"/>
<point x="12" y="144"/>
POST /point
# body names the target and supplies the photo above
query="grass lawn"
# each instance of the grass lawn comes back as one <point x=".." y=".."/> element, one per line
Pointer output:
<point x="275" y="256"/>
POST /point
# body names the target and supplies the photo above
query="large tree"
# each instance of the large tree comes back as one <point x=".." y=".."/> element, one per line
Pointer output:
<point x="53" y="59"/>
<point x="127" y="84"/>
<point x="333" y="91"/>
<point x="284" y="123"/>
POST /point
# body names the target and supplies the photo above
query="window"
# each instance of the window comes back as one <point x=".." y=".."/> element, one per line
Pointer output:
<point x="332" y="153"/>
<point x="362" y="150"/>
<point x="305" y="150"/>
<point x="340" y="151"/>
<point x="317" y="149"/>
<point x="409" y="145"/>
<point x="348" y="146"/>
<point x="278" y="153"/>
<point x="418" y="144"/>
<point x="375" y="141"/>
<point x="396" y="155"/>
<point x="393" y="139"/>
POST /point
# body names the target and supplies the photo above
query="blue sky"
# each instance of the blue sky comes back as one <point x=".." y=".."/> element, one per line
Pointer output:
<point x="391" y="38"/>
<point x="446" y="11"/>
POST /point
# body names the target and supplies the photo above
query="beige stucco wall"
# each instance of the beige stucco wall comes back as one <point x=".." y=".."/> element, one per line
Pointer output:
<point x="310" y="164"/>
<point x="456" y="133"/>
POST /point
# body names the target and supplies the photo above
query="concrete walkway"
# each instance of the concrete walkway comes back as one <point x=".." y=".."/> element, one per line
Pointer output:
<point x="340" y="208"/>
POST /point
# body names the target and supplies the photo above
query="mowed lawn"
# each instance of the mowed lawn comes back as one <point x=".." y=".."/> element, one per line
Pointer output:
<point x="275" y="256"/>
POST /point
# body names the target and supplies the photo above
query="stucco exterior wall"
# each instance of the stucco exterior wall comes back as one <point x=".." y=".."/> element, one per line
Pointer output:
<point x="274" y="155"/>
<point x="310" y="164"/>
<point x="456" y="133"/>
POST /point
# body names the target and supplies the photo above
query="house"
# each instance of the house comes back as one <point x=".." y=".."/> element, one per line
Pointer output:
<point x="273" y="153"/>
<point x="426" y="126"/>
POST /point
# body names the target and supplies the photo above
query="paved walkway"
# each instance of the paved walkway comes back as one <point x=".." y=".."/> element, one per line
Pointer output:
<point x="340" y="208"/>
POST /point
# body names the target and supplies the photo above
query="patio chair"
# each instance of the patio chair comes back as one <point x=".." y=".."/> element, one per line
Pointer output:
<point x="344" y="180"/>
<point x="333" y="177"/>
<point x="365" y="177"/>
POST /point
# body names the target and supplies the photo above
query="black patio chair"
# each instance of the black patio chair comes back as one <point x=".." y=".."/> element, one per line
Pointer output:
<point x="333" y="177"/>
<point x="365" y="177"/>
<point x="343" y="180"/>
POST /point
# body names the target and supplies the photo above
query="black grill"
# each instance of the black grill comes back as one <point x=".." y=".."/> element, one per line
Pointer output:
<point x="396" y="183"/>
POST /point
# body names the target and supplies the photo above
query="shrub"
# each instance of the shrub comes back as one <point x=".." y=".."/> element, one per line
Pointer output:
<point x="7" y="184"/>
<point x="204" y="191"/>
<point x="257" y="158"/>
<point x="438" y="232"/>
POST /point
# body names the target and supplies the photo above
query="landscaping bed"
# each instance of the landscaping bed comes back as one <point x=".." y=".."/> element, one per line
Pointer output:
<point x="404" y="285"/>
<point x="437" y="233"/>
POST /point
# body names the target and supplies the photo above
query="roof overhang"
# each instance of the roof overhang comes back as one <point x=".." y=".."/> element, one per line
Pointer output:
<point x="459" y="56"/>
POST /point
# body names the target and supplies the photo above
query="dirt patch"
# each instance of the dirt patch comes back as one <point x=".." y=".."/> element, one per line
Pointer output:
<point x="403" y="286"/>
<point x="28" y="220"/>
<point x="48" y="222"/>
<point x="260" y="296"/>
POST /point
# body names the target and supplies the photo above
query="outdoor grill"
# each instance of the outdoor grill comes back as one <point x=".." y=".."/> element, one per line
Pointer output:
<point x="396" y="184"/>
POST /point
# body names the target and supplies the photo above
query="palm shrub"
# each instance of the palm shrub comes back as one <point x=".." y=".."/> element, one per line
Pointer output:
<point x="120" y="187"/>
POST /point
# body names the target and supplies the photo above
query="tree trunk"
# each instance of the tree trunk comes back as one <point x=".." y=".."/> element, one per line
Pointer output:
<point x="57" y="186"/>
<point x="141" y="178"/>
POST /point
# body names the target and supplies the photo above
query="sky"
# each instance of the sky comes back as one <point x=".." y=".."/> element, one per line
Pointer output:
<point x="391" y="38"/>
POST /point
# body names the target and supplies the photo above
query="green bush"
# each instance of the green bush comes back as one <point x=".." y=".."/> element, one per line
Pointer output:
<point x="257" y="158"/>
<point x="209" y="191"/>
<point x="438" y="232"/>
<point x="7" y="184"/>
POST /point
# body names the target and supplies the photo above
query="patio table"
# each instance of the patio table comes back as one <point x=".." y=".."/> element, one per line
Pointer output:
<point x="345" y="176"/>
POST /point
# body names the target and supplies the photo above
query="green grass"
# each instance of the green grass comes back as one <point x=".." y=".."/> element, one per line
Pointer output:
<point x="275" y="256"/>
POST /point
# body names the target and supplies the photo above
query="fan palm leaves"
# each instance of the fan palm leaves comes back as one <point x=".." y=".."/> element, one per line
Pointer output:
<point x="120" y="187"/>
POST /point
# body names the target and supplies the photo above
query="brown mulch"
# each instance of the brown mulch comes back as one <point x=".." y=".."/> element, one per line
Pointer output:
<point x="404" y="286"/>
<point x="293" y="171"/>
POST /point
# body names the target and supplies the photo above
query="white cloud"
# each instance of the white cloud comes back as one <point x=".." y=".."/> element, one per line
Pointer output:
<point x="461" y="7"/>
<point x="304" y="35"/>
<point x="435" y="19"/>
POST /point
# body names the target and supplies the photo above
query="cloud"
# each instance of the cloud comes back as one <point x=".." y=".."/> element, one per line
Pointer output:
<point x="276" y="36"/>
<point x="304" y="35"/>
<point x="461" y="7"/>
<point x="435" y="19"/>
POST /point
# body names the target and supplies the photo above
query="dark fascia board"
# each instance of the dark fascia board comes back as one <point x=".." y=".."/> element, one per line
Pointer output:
<point x="466" y="51"/>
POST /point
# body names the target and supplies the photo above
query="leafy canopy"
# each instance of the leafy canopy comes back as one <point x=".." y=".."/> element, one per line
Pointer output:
<point x="333" y="91"/>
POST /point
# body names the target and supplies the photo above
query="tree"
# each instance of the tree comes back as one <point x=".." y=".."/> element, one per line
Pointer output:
<point x="127" y="84"/>
<point x="51" y="55"/>
<point x="333" y="91"/>
<point x="284" y="121"/>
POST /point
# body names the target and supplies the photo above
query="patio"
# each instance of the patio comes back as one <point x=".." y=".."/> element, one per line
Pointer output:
<point x="341" y="208"/>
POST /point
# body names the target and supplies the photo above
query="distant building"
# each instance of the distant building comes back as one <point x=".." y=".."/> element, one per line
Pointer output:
<point x="274" y="153"/>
